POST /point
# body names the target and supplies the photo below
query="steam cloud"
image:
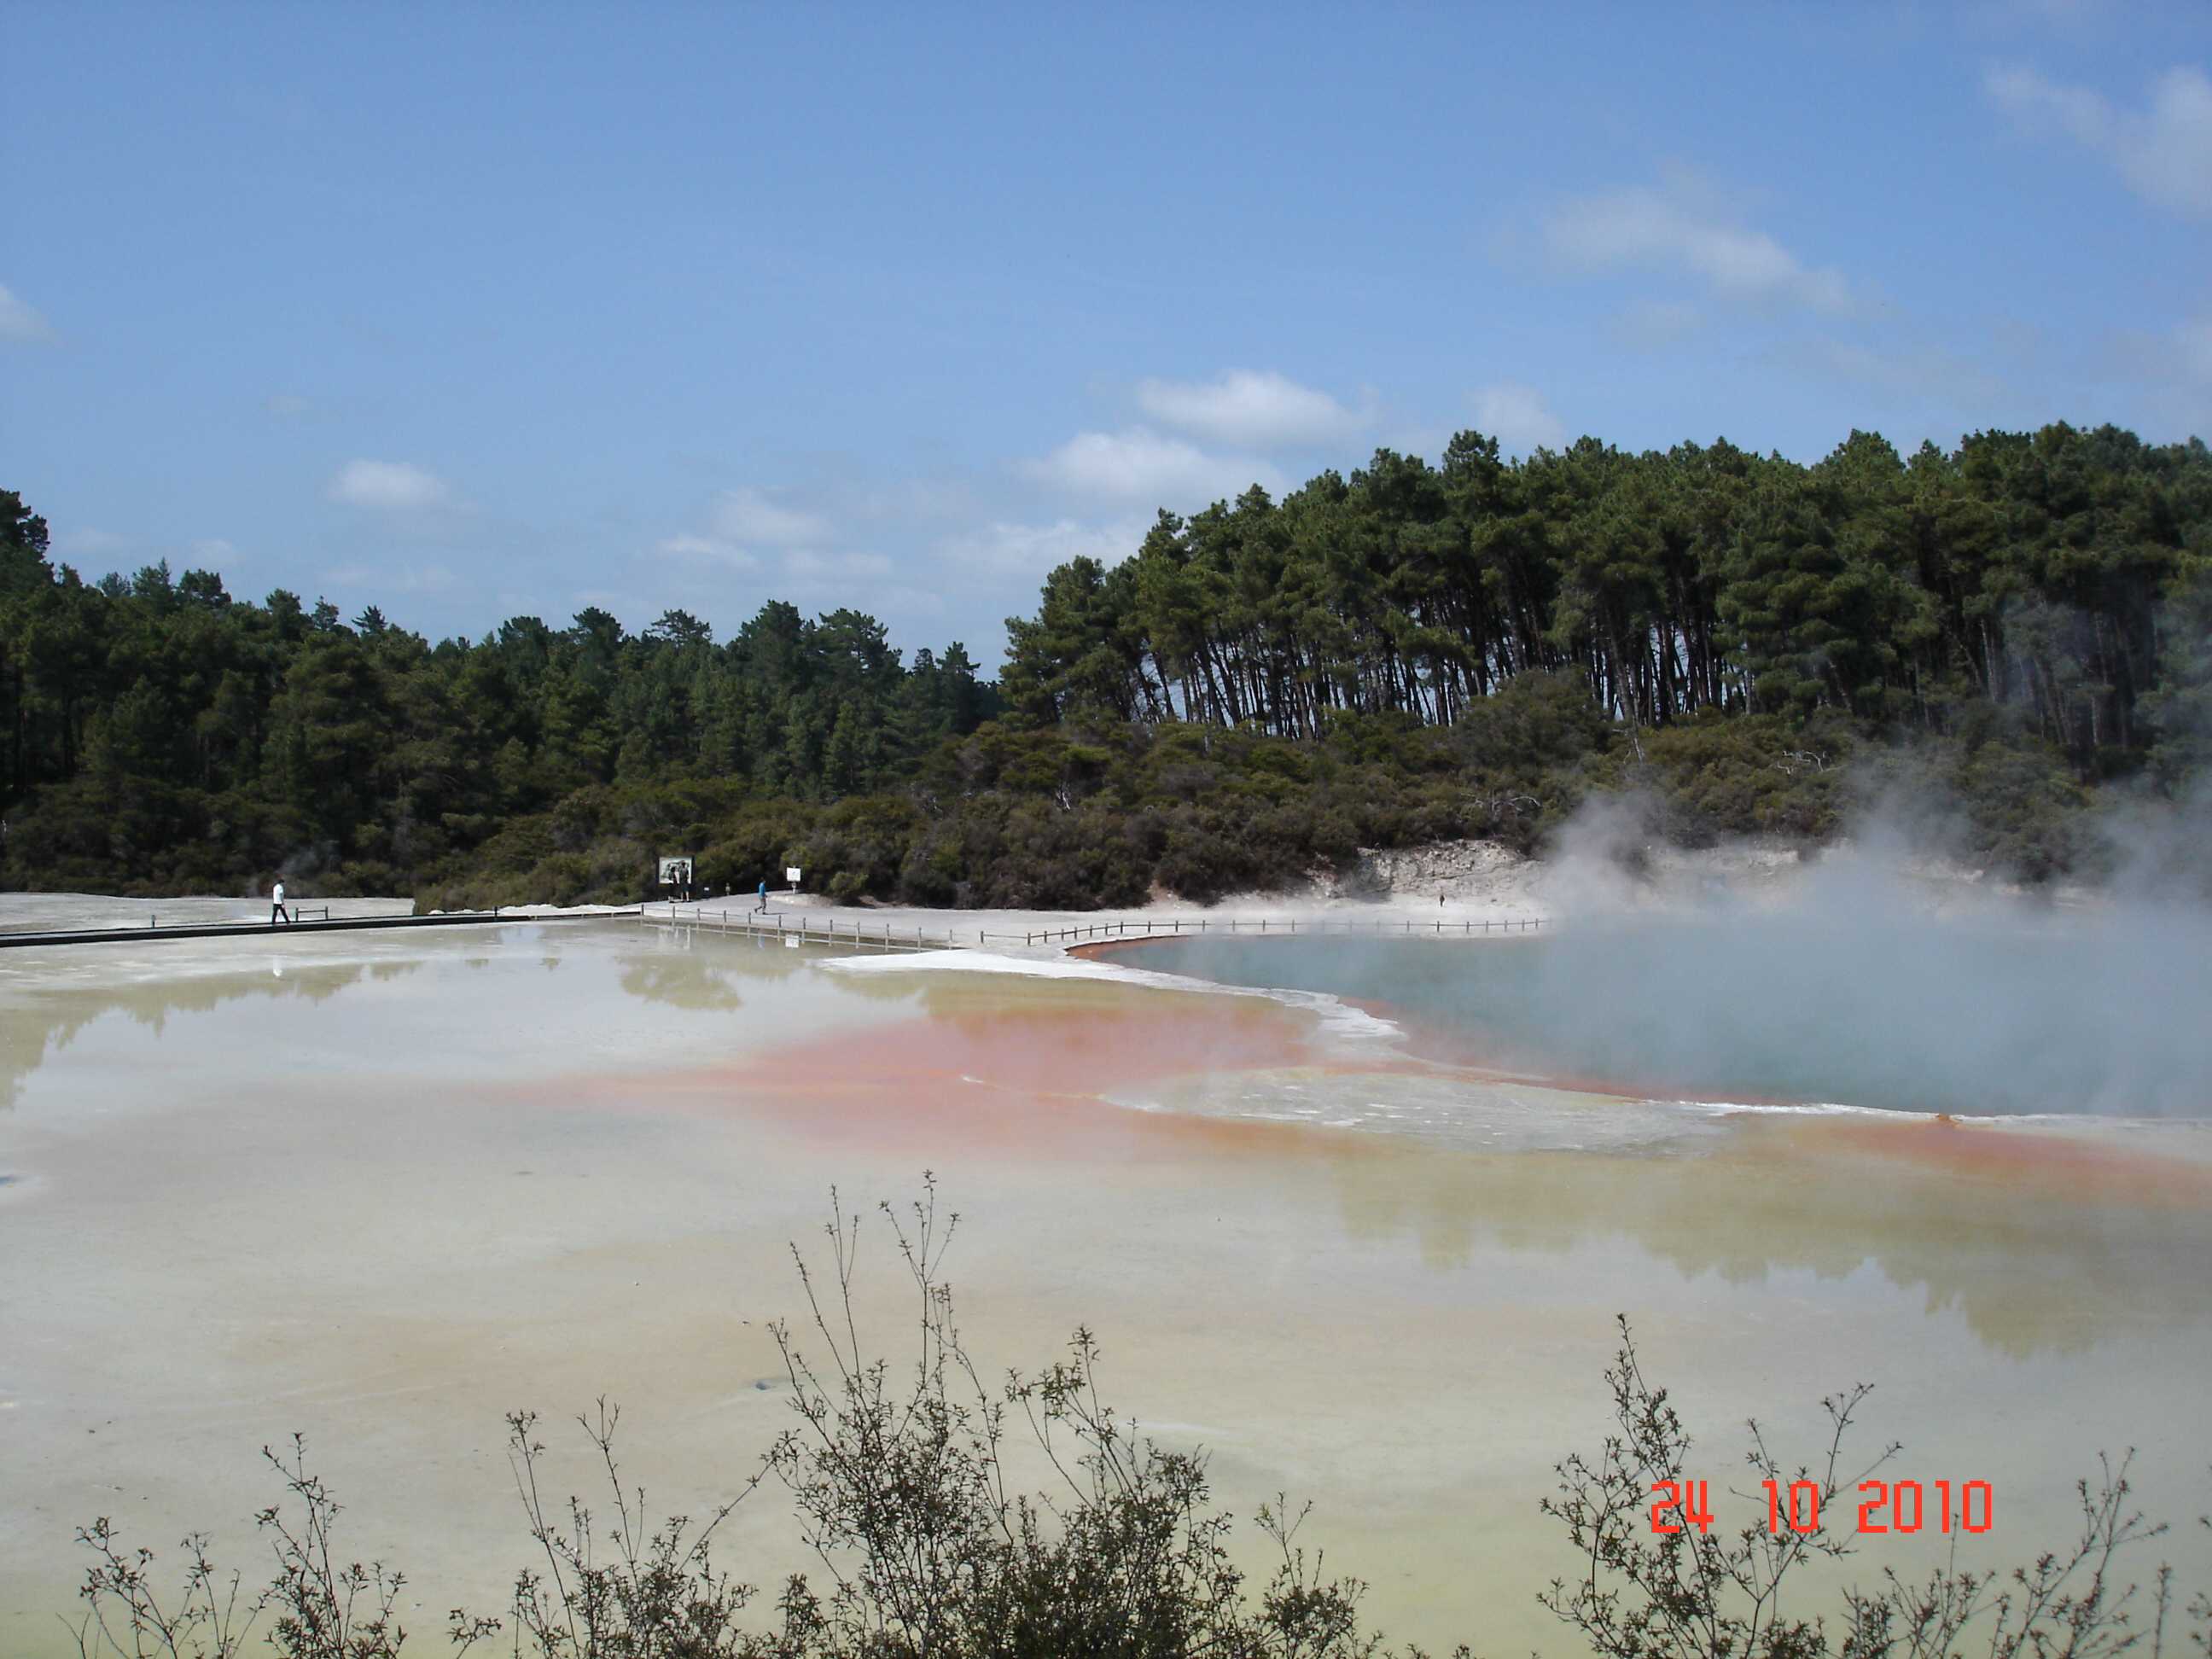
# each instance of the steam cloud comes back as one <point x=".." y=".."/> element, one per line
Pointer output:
<point x="1877" y="976"/>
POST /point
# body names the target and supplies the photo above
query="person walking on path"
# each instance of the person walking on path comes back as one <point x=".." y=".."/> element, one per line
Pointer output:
<point x="276" y="910"/>
<point x="763" y="896"/>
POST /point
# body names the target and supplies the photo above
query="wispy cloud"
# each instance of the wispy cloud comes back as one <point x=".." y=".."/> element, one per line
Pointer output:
<point x="1648" y="325"/>
<point x="376" y="580"/>
<point x="2042" y="14"/>
<point x="909" y="501"/>
<point x="388" y="486"/>
<point x="2193" y="350"/>
<point x="2177" y="361"/>
<point x="807" y="566"/>
<point x="748" y="518"/>
<point x="1141" y="464"/>
<point x="1518" y="416"/>
<point x="861" y="581"/>
<point x="1675" y="228"/>
<point x="1010" y="549"/>
<point x="713" y="549"/>
<point x="2164" y="151"/>
<point x="738" y="524"/>
<point x="213" y="551"/>
<point x="1252" y="411"/>
<point x="82" y="541"/>
<point x="1912" y="374"/>
<point x="19" y="322"/>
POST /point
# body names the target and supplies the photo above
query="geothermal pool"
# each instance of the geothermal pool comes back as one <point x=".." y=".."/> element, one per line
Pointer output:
<point x="382" y="1189"/>
<point x="2095" y="1015"/>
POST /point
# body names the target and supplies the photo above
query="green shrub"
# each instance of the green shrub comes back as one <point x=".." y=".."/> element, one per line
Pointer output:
<point x="896" y="1473"/>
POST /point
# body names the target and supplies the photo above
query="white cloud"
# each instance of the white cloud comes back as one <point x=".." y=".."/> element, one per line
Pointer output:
<point x="406" y="579"/>
<point x="390" y="486"/>
<point x="84" y="541"/>
<point x="1673" y="229"/>
<point x="1031" y="550"/>
<point x="1138" y="464"/>
<point x="738" y="523"/>
<point x="2171" y="368"/>
<point x="705" y="547"/>
<point x="1518" y="416"/>
<point x="745" y="516"/>
<point x="854" y="577"/>
<point x="1260" y="410"/>
<point x="904" y="501"/>
<point x="2193" y="346"/>
<point x="806" y="566"/>
<point x="19" y="322"/>
<point x="2165" y="153"/>
<point x="213" y="551"/>
<point x="901" y="600"/>
<point x="1647" y="324"/>
<point x="2067" y="15"/>
<point x="1923" y="374"/>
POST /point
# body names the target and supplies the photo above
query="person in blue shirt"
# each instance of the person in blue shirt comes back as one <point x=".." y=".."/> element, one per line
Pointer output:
<point x="763" y="896"/>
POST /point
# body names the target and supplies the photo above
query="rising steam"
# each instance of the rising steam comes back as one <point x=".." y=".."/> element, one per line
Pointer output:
<point x="1877" y="975"/>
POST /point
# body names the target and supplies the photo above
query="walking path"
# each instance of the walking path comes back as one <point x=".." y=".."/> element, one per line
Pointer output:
<point x="36" y="919"/>
<point x="1046" y="933"/>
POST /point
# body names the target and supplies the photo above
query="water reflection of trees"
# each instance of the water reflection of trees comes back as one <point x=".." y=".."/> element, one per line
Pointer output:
<point x="2036" y="1254"/>
<point x="690" y="971"/>
<point x="702" y="968"/>
<point x="47" y="1021"/>
<point x="2028" y="1267"/>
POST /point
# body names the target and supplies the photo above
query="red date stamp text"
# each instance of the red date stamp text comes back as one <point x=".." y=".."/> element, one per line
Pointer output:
<point x="1885" y="1506"/>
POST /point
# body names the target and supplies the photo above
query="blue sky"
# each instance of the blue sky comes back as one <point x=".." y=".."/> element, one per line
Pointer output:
<point x="483" y="311"/>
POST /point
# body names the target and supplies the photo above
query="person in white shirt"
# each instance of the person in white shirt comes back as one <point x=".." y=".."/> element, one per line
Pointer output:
<point x="276" y="910"/>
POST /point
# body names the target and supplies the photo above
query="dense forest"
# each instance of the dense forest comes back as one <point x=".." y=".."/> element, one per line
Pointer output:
<point x="2022" y="626"/>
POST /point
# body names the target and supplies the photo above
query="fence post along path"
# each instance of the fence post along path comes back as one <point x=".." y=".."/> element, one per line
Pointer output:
<point x="833" y="929"/>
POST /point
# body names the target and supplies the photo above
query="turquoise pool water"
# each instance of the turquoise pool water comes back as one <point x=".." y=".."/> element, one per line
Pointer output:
<point x="2108" y="1016"/>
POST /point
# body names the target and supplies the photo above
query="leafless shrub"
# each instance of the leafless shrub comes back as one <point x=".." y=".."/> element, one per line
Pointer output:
<point x="1698" y="1594"/>
<point x="898" y="1475"/>
<point x="325" y="1606"/>
<point x="653" y="1595"/>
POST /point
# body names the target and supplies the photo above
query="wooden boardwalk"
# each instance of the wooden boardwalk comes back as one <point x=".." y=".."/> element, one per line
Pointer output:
<point x="803" y="927"/>
<point x="155" y="931"/>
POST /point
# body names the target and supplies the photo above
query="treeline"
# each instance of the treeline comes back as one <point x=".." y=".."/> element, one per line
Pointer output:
<point x="1409" y="653"/>
<point x="158" y="733"/>
<point x="2060" y="574"/>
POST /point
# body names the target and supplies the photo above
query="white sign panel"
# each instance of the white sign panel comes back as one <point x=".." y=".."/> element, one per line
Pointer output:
<point x="791" y="874"/>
